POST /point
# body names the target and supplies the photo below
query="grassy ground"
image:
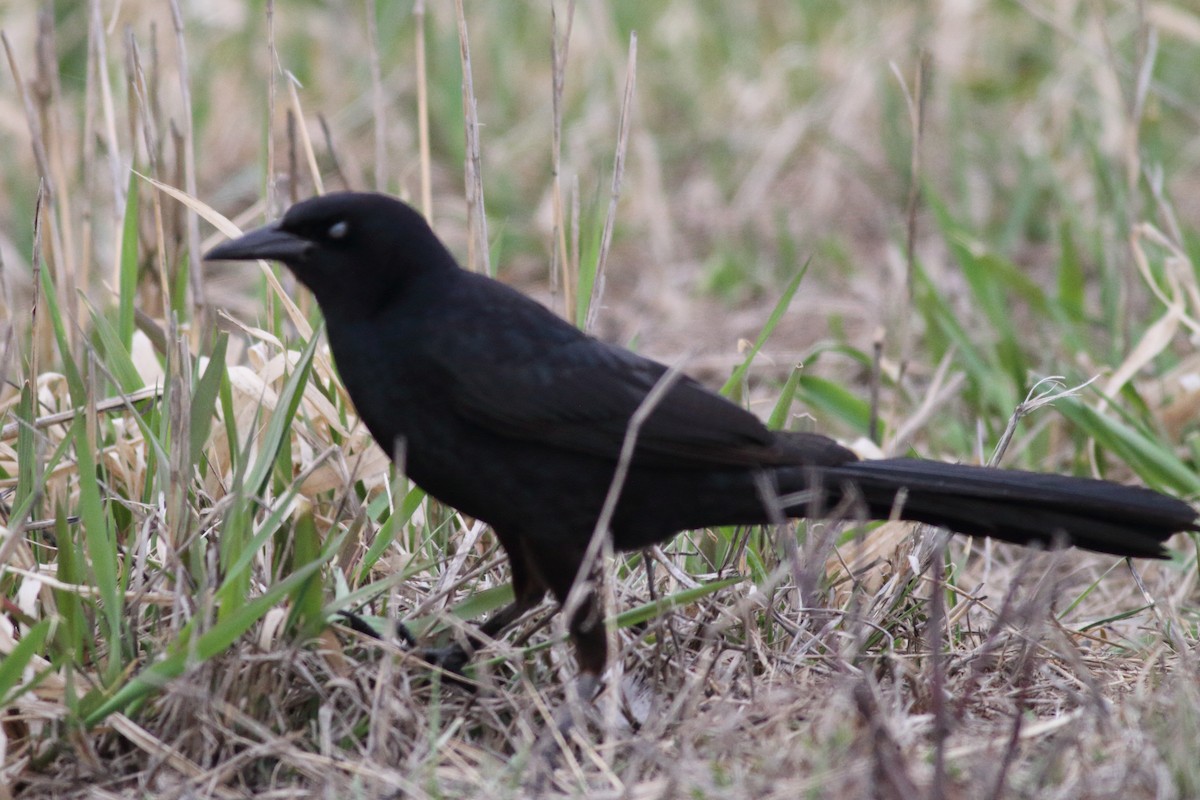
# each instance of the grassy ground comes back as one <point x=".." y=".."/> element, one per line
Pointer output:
<point x="985" y="194"/>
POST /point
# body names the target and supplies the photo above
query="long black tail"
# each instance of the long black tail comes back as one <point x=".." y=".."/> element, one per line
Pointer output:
<point x="1015" y="506"/>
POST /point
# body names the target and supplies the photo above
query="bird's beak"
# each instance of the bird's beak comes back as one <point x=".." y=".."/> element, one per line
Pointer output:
<point x="269" y="242"/>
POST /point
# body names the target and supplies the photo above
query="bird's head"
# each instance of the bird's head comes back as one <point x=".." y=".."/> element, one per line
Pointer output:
<point x="349" y="248"/>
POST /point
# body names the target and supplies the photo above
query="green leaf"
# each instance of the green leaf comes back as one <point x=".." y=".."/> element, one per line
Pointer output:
<point x="127" y="279"/>
<point x="739" y="375"/>
<point x="28" y="482"/>
<point x="280" y="427"/>
<point x="117" y="359"/>
<point x="204" y="399"/>
<point x="101" y="544"/>
<point x="387" y="532"/>
<point x="13" y="665"/>
<point x="307" y="598"/>
<point x="833" y="399"/>
<point x="1071" y="279"/>
<point x="75" y="632"/>
<point x="589" y="263"/>
<point x="1155" y="463"/>
<point x="75" y="384"/>
<point x="663" y="605"/>
<point x="783" y="406"/>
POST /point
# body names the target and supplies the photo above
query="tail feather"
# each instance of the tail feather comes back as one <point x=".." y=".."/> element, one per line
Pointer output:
<point x="1016" y="506"/>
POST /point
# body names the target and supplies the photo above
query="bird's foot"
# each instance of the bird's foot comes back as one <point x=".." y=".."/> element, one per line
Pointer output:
<point x="451" y="660"/>
<point x="577" y="707"/>
<point x="359" y="624"/>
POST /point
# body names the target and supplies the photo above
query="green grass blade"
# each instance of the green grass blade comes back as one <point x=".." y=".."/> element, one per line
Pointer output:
<point x="787" y="396"/>
<point x="663" y="605"/>
<point x="74" y="634"/>
<point x="127" y="280"/>
<point x="785" y="300"/>
<point x="79" y="393"/>
<point x="1154" y="462"/>
<point x="13" y="665"/>
<point x="308" y="597"/>
<point x="1071" y="279"/>
<point x="204" y="398"/>
<point x="280" y="426"/>
<point x="29" y="486"/>
<point x="101" y="545"/>
<point x="833" y="399"/>
<point x="117" y="359"/>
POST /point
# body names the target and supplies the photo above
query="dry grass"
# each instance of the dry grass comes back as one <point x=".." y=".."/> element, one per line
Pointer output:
<point x="189" y="499"/>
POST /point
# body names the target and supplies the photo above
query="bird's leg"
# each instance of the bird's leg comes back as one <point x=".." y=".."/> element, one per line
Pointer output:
<point x="359" y="625"/>
<point x="586" y="629"/>
<point x="587" y="687"/>
<point x="591" y="645"/>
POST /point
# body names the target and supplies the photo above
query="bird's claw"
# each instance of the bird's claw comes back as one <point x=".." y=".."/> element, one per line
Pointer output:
<point x="451" y="659"/>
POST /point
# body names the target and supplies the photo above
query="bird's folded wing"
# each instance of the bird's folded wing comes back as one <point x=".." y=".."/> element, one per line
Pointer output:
<point x="583" y="398"/>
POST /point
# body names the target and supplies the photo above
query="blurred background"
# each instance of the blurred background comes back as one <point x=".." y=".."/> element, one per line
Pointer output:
<point x="762" y="135"/>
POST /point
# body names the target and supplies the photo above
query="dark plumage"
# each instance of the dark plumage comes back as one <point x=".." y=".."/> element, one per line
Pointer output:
<point x="497" y="407"/>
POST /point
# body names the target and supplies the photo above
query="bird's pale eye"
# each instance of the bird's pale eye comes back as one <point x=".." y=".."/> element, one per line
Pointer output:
<point x="338" y="230"/>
